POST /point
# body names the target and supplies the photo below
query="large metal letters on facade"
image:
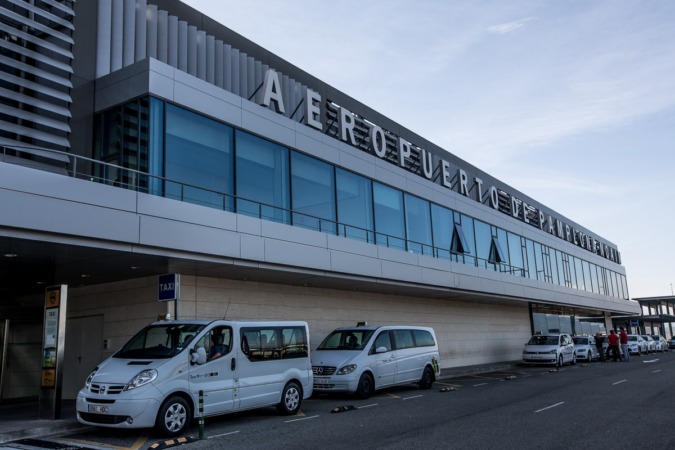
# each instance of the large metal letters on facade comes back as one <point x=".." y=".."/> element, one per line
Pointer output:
<point x="408" y="151"/>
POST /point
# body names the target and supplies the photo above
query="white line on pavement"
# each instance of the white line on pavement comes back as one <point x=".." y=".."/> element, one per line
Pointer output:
<point x="221" y="435"/>
<point x="302" y="418"/>
<point x="549" y="407"/>
<point x="618" y="382"/>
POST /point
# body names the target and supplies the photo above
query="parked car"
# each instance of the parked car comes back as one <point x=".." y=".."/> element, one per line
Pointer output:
<point x="585" y="348"/>
<point x="556" y="349"/>
<point x="363" y="359"/>
<point x="671" y="343"/>
<point x="636" y="344"/>
<point x="651" y="345"/>
<point x="661" y="343"/>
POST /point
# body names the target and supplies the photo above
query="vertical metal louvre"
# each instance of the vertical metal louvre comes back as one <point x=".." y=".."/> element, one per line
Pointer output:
<point x="35" y="73"/>
<point x="184" y="47"/>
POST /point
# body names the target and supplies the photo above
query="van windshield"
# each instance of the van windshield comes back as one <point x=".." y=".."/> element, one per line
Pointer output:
<point x="346" y="340"/>
<point x="159" y="341"/>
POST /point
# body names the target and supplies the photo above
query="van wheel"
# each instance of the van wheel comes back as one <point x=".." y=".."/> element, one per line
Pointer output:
<point x="366" y="386"/>
<point x="427" y="378"/>
<point x="291" y="397"/>
<point x="173" y="417"/>
<point x="560" y="361"/>
<point x="574" y="358"/>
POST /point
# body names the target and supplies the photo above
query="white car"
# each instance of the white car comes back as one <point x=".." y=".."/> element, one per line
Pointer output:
<point x="636" y="344"/>
<point x="362" y="359"/>
<point x="661" y="343"/>
<point x="651" y="345"/>
<point x="585" y="348"/>
<point x="556" y="349"/>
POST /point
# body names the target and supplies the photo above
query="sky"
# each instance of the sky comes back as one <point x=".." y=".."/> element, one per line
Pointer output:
<point x="571" y="103"/>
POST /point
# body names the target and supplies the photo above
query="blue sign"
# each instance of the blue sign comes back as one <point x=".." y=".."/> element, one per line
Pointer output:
<point x="168" y="287"/>
<point x="633" y="322"/>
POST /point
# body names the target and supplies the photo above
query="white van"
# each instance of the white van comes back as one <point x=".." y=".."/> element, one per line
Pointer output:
<point x="154" y="380"/>
<point x="363" y="359"/>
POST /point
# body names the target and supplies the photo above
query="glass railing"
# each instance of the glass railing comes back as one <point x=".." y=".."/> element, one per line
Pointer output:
<point x="114" y="175"/>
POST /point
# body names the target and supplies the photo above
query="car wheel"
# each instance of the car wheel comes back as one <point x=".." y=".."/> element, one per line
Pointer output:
<point x="427" y="378"/>
<point x="574" y="358"/>
<point x="291" y="397"/>
<point x="173" y="417"/>
<point x="560" y="361"/>
<point x="366" y="386"/>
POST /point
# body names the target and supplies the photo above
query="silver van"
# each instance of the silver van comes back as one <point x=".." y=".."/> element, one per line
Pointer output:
<point x="363" y="359"/>
<point x="155" y="379"/>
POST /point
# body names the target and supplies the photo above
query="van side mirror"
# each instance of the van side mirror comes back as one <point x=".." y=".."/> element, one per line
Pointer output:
<point x="381" y="350"/>
<point x="197" y="356"/>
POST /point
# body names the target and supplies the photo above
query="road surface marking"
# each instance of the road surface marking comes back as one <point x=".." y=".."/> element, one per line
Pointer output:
<point x="224" y="434"/>
<point x="549" y="407"/>
<point x="618" y="382"/>
<point x="368" y="406"/>
<point x="302" y="418"/>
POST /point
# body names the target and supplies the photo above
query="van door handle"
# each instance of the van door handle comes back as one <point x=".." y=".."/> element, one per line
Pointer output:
<point x="233" y="364"/>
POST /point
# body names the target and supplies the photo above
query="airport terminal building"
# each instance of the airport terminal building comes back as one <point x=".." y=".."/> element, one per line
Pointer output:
<point x="141" y="138"/>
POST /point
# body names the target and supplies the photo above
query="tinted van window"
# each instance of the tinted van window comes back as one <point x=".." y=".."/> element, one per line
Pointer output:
<point x="423" y="338"/>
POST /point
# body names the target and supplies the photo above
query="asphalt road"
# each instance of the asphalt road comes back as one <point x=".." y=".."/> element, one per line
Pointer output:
<point x="599" y="405"/>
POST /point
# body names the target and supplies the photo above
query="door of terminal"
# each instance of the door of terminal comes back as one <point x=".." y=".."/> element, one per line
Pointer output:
<point x="84" y="350"/>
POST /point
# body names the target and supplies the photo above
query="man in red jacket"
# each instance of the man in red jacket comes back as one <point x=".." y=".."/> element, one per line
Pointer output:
<point x="613" y="348"/>
<point x="623" y="340"/>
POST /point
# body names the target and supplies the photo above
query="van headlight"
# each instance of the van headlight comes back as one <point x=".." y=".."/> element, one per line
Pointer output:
<point x="346" y="369"/>
<point x="87" y="383"/>
<point x="145" y="377"/>
<point x="553" y="352"/>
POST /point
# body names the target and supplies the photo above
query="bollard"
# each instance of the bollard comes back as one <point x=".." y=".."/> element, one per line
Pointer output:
<point x="201" y="414"/>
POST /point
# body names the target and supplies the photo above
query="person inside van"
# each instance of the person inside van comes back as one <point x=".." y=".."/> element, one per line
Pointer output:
<point x="217" y="348"/>
<point x="352" y="342"/>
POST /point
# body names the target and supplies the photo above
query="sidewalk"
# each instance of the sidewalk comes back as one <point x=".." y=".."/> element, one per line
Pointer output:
<point x="20" y="420"/>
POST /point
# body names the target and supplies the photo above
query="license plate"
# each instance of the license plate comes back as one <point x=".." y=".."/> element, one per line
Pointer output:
<point x="320" y="381"/>
<point x="101" y="409"/>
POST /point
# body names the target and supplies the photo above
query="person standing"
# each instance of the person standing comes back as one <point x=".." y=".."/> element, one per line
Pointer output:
<point x="623" y="340"/>
<point x="613" y="348"/>
<point x="598" y="346"/>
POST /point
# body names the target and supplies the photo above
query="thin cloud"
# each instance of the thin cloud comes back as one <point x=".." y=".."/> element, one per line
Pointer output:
<point x="509" y="27"/>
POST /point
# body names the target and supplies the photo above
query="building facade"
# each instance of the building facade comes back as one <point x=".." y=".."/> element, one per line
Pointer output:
<point x="142" y="138"/>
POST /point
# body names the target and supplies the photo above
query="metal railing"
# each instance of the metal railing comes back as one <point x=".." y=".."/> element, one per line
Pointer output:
<point x="102" y="172"/>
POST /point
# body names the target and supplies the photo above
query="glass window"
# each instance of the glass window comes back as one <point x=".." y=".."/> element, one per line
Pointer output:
<point x="313" y="188"/>
<point x="531" y="264"/>
<point x="539" y="260"/>
<point x="515" y="253"/>
<point x="555" y="274"/>
<point x="594" y="278"/>
<point x="468" y="226"/>
<point x="418" y="224"/>
<point x="389" y="220"/>
<point x="483" y="243"/>
<point x="601" y="280"/>
<point x="562" y="269"/>
<point x="588" y="282"/>
<point x="383" y="340"/>
<point x="262" y="178"/>
<point x="198" y="159"/>
<point x="354" y="205"/>
<point x="580" y="274"/>
<point x="403" y="339"/>
<point x="442" y="224"/>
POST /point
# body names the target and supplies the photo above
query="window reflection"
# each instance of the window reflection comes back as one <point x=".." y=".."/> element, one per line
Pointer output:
<point x="313" y="187"/>
<point x="262" y="178"/>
